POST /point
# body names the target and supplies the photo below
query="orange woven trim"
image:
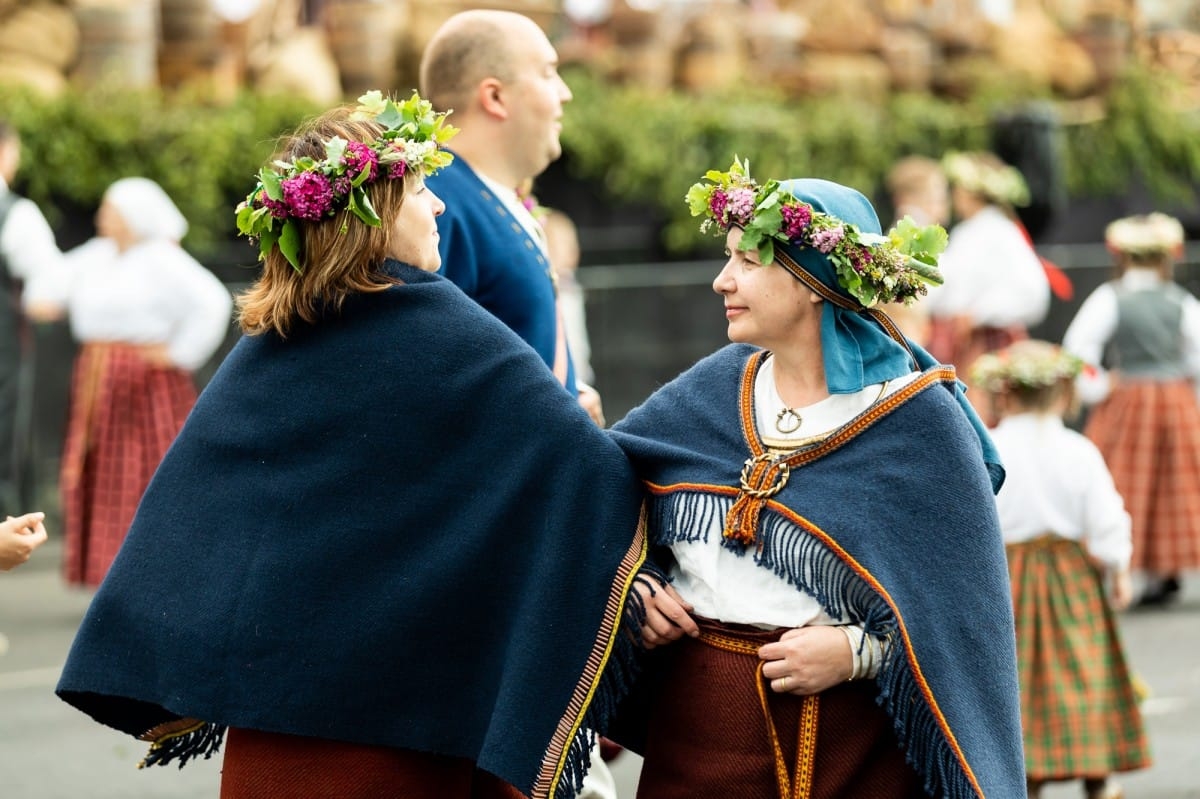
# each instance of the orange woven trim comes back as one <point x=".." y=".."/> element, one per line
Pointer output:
<point x="729" y="643"/>
<point x="871" y="416"/>
<point x="806" y="746"/>
<point x="817" y="287"/>
<point x="659" y="489"/>
<point x="746" y="402"/>
<point x="555" y="759"/>
<point x="922" y="683"/>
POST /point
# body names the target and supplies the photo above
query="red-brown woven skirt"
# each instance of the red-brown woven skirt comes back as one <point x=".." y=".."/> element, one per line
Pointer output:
<point x="125" y="412"/>
<point x="264" y="765"/>
<point x="1149" y="434"/>
<point x="708" y="736"/>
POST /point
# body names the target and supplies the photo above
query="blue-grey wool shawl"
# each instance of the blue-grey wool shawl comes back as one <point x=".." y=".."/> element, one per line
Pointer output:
<point x="392" y="528"/>
<point x="890" y="522"/>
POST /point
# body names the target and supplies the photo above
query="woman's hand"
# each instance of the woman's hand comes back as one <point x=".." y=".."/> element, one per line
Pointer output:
<point x="19" y="536"/>
<point x="1122" y="590"/>
<point x="807" y="660"/>
<point x="667" y="616"/>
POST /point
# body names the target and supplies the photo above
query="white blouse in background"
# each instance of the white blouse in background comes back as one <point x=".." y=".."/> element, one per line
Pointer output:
<point x="153" y="293"/>
<point x="28" y="244"/>
<point x="1056" y="482"/>
<point x="1096" y="322"/>
<point x="732" y="588"/>
<point x="992" y="274"/>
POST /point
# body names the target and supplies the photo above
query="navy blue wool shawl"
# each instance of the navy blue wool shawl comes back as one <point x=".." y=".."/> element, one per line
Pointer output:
<point x="393" y="528"/>
<point x="891" y="523"/>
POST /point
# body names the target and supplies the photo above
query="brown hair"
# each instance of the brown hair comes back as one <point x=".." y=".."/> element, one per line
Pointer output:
<point x="913" y="175"/>
<point x="336" y="262"/>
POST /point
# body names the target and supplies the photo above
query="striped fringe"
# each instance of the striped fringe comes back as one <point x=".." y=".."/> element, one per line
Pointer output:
<point x="803" y="561"/>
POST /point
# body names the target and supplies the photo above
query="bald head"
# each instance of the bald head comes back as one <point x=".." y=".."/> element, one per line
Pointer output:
<point x="470" y="47"/>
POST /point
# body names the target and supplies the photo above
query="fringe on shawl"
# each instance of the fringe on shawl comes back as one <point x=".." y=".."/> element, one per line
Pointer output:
<point x="618" y="677"/>
<point x="802" y="560"/>
<point x="182" y="741"/>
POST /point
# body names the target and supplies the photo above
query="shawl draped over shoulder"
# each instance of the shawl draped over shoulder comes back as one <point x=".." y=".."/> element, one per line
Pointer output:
<point x="890" y="522"/>
<point x="392" y="528"/>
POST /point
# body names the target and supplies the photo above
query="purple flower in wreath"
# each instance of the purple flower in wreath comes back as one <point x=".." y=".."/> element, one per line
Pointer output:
<point x="860" y="258"/>
<point x="278" y="208"/>
<point x="826" y="240"/>
<point x="795" y="220"/>
<point x="342" y="185"/>
<point x="717" y="203"/>
<point x="358" y="157"/>
<point x="741" y="206"/>
<point x="308" y="195"/>
<point x="397" y="170"/>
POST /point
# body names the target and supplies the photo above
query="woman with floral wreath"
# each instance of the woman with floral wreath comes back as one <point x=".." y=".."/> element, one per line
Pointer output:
<point x="1066" y="534"/>
<point x="1140" y="334"/>
<point x="995" y="284"/>
<point x="837" y="621"/>
<point x="356" y="565"/>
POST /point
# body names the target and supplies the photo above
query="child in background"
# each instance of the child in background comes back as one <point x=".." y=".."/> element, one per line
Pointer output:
<point x="1066" y="533"/>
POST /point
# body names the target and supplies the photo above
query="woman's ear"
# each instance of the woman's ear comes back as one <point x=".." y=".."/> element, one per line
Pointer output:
<point x="814" y="297"/>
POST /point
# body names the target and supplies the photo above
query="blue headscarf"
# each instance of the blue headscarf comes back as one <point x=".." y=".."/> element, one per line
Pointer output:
<point x="856" y="346"/>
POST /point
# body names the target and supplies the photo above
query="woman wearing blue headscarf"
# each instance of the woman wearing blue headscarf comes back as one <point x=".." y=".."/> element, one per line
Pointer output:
<point x="821" y="495"/>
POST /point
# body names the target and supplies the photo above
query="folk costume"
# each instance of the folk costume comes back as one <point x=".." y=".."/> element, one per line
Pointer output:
<point x="493" y="249"/>
<point x="397" y="562"/>
<point x="1145" y="328"/>
<point x="127" y="403"/>
<point x="1064" y="527"/>
<point x="884" y="521"/>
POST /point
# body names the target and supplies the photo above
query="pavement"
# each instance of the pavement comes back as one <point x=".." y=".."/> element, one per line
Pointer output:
<point x="48" y="750"/>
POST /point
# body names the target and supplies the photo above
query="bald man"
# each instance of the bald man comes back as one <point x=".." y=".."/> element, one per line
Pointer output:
<point x="499" y="74"/>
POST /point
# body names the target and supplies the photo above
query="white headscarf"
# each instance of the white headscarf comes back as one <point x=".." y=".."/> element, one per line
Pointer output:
<point x="147" y="210"/>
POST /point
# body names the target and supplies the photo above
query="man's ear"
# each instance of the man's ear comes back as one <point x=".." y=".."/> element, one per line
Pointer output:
<point x="490" y="93"/>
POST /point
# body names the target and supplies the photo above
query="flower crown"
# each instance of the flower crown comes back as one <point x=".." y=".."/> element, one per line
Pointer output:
<point x="871" y="268"/>
<point x="1144" y="235"/>
<point x="1026" y="365"/>
<point x="998" y="182"/>
<point x="311" y="190"/>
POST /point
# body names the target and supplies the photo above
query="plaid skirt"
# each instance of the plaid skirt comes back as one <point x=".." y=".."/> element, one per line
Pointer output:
<point x="265" y="765"/>
<point x="1079" y="713"/>
<point x="709" y="736"/>
<point x="1149" y="434"/>
<point x="125" y="412"/>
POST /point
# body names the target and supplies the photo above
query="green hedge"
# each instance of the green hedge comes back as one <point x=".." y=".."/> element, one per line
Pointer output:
<point x="639" y="145"/>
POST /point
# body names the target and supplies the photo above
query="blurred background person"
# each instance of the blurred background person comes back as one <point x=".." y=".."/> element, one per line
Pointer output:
<point x="918" y="189"/>
<point x="27" y="249"/>
<point x="19" y="537"/>
<point x="1066" y="534"/>
<point x="562" y="244"/>
<point x="1140" y="333"/>
<point x="996" y="286"/>
<point x="146" y="315"/>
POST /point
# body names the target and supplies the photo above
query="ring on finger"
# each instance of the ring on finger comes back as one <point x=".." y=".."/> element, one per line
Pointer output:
<point x="783" y="683"/>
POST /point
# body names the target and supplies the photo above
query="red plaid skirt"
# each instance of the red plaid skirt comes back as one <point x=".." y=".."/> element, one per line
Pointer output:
<point x="264" y="765"/>
<point x="125" y="412"/>
<point x="1149" y="434"/>
<point x="1078" y="710"/>
<point x="709" y="738"/>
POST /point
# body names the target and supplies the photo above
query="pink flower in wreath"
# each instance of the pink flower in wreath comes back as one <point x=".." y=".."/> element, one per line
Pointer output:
<point x="795" y="220"/>
<point x="741" y="206"/>
<point x="826" y="240"/>
<point x="308" y="195"/>
<point x="358" y="157"/>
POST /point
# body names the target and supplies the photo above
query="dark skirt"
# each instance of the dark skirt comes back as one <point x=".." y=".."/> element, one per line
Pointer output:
<point x="125" y="412"/>
<point x="263" y="765"/>
<point x="1149" y="434"/>
<point x="709" y="737"/>
<point x="1078" y="710"/>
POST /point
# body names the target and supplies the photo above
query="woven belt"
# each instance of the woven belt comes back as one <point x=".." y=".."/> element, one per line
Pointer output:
<point x="797" y="785"/>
